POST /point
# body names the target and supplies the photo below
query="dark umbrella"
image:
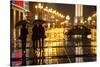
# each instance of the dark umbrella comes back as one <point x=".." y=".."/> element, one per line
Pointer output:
<point x="40" y="21"/>
<point x="21" y="23"/>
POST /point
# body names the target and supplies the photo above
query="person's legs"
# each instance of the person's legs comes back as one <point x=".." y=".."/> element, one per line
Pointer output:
<point x="42" y="51"/>
<point x="23" y="52"/>
<point x="36" y="51"/>
<point x="35" y="43"/>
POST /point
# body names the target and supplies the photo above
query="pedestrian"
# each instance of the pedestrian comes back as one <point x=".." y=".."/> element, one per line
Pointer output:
<point x="35" y="39"/>
<point x="23" y="37"/>
<point x="41" y="40"/>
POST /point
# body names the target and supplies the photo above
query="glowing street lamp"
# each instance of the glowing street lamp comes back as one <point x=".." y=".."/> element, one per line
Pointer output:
<point x="94" y="15"/>
<point x="89" y="19"/>
<point x="39" y="4"/>
<point x="46" y="8"/>
<point x="36" y="6"/>
<point x="36" y="17"/>
<point x="68" y="17"/>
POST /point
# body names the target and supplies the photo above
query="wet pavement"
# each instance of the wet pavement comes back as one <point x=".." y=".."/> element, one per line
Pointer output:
<point x="59" y="48"/>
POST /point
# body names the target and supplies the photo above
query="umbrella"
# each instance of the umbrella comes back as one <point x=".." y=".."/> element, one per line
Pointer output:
<point x="39" y="21"/>
<point x="21" y="23"/>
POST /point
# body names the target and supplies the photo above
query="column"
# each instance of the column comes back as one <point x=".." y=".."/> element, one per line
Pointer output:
<point x="77" y="21"/>
<point x="14" y="30"/>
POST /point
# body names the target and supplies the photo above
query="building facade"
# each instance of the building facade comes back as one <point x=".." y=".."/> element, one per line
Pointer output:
<point x="18" y="12"/>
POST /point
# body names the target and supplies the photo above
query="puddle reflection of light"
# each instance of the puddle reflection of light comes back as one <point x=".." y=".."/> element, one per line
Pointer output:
<point x="93" y="43"/>
<point x="55" y="37"/>
<point x="93" y="35"/>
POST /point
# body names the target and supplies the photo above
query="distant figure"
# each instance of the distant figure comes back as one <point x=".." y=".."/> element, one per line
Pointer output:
<point x="35" y="35"/>
<point x="42" y="34"/>
<point x="35" y="39"/>
<point x="41" y="40"/>
<point x="23" y="37"/>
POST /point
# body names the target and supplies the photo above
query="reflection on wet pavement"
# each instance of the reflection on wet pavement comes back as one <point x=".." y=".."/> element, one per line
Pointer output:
<point x="59" y="48"/>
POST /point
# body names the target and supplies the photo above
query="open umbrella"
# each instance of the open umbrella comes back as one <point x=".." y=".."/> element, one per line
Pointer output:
<point x="21" y="23"/>
<point x="39" y="21"/>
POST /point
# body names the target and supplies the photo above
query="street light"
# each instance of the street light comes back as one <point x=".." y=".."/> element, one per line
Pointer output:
<point x="68" y="17"/>
<point x="36" y="17"/>
<point x="36" y="6"/>
<point x="39" y="4"/>
<point x="94" y="15"/>
<point x="46" y="8"/>
<point x="89" y="19"/>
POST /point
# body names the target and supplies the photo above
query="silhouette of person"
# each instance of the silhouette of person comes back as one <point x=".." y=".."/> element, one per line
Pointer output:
<point x="23" y="37"/>
<point x="35" y="39"/>
<point x="41" y="39"/>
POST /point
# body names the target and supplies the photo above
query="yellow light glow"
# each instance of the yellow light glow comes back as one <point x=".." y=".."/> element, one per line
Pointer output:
<point x="57" y="20"/>
<point x="67" y="17"/>
<point x="36" y="17"/>
<point x="54" y="11"/>
<point x="94" y="15"/>
<point x="55" y="34"/>
<point x="35" y="6"/>
<point x="46" y="9"/>
<point x="52" y="17"/>
<point x="89" y="18"/>
<point x="39" y="4"/>
<point x="50" y="10"/>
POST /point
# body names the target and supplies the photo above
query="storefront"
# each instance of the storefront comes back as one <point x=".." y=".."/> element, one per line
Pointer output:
<point x="18" y="12"/>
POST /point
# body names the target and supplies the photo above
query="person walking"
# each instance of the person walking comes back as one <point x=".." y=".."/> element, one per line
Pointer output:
<point x="35" y="39"/>
<point x="23" y="37"/>
<point x="41" y="41"/>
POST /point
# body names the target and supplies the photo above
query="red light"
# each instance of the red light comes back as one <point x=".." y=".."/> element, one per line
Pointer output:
<point x="18" y="55"/>
<point x="20" y="3"/>
<point x="18" y="62"/>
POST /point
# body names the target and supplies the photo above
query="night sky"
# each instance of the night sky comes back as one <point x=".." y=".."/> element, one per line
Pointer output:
<point x="69" y="9"/>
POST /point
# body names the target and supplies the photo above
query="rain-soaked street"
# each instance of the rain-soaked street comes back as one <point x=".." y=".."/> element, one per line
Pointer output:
<point x="58" y="48"/>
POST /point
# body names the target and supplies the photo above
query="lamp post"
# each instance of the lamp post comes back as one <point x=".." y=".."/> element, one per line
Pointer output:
<point x="68" y="17"/>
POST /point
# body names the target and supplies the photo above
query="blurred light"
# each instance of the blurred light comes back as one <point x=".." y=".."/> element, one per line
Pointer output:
<point x="39" y="4"/>
<point x="67" y="17"/>
<point x="48" y="25"/>
<point x="52" y="17"/>
<point x="18" y="55"/>
<point x="50" y="10"/>
<point x="56" y="20"/>
<point x="18" y="62"/>
<point x="89" y="36"/>
<point x="35" y="6"/>
<point x="54" y="11"/>
<point x="46" y="8"/>
<point x="94" y="15"/>
<point x="62" y="23"/>
<point x="89" y="18"/>
<point x="40" y="7"/>
<point x="85" y="21"/>
<point x="82" y="21"/>
<point x="36" y="17"/>
<point x="53" y="23"/>
<point x="76" y="21"/>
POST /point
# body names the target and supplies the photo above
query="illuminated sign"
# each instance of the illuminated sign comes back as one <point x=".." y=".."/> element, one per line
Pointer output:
<point x="18" y="2"/>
